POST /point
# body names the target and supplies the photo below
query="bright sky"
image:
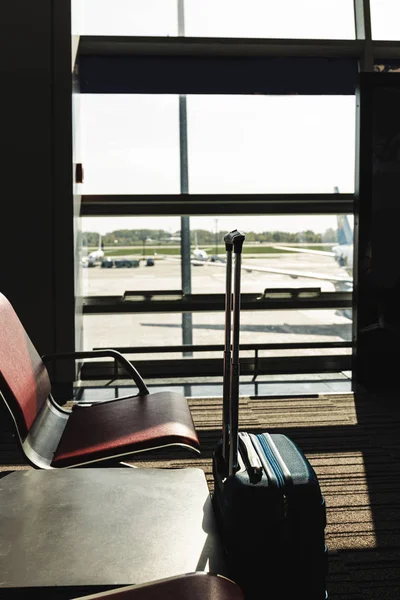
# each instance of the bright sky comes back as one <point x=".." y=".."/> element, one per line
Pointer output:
<point x="219" y="18"/>
<point x="320" y="19"/>
<point x="385" y="19"/>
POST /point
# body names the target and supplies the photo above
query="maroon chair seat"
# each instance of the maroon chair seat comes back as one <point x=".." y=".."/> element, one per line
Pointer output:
<point x="51" y="436"/>
<point x="192" y="586"/>
<point x="142" y="422"/>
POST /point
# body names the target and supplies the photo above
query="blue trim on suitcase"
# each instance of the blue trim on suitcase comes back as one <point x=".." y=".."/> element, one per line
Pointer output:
<point x="272" y="460"/>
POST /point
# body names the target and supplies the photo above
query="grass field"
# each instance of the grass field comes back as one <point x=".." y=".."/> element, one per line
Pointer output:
<point x="261" y="249"/>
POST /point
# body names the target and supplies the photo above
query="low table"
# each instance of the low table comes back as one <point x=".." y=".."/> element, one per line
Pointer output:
<point x="74" y="531"/>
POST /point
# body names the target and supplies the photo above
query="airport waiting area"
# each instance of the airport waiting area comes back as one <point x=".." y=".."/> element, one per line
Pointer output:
<point x="146" y="517"/>
<point x="199" y="304"/>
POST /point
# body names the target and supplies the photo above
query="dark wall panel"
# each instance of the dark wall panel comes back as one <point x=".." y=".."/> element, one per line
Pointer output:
<point x="26" y="191"/>
<point x="36" y="143"/>
<point x="216" y="75"/>
<point x="377" y="281"/>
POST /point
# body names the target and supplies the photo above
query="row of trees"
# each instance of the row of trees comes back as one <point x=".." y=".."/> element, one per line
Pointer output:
<point x="135" y="237"/>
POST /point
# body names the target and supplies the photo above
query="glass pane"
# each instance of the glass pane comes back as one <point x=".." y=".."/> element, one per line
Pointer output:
<point x="76" y="16"/>
<point x="320" y="19"/>
<point x="385" y="18"/>
<point x="130" y="144"/>
<point x="271" y="144"/>
<point x="130" y="17"/>
<point x="265" y="385"/>
<point x="132" y="253"/>
<point x="237" y="144"/>
<point x="279" y="252"/>
<point x="289" y="251"/>
<point x="275" y="327"/>
<point x="257" y="327"/>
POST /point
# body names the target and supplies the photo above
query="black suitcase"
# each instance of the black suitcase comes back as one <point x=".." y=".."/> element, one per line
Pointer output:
<point x="267" y="499"/>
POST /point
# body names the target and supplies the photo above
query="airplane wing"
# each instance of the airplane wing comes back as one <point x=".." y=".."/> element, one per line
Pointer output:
<point x="289" y="273"/>
<point x="304" y="250"/>
<point x="293" y="274"/>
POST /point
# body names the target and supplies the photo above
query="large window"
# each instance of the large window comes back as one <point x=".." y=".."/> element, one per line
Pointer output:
<point x="197" y="130"/>
<point x="287" y="256"/>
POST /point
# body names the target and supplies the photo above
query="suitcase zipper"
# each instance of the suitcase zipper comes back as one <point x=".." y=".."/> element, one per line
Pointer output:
<point x="254" y="465"/>
<point x="282" y="465"/>
<point x="272" y="459"/>
<point x="281" y="474"/>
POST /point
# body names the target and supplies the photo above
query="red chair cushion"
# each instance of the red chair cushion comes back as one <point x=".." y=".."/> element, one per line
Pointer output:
<point x="24" y="380"/>
<point x="125" y="426"/>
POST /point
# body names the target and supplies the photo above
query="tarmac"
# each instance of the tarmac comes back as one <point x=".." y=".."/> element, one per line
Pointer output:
<point x="157" y="329"/>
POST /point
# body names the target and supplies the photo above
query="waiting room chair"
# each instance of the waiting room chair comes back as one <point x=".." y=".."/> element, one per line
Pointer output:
<point x="191" y="586"/>
<point x="52" y="436"/>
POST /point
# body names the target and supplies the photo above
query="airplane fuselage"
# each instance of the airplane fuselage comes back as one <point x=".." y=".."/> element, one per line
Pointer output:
<point x="343" y="254"/>
<point x="96" y="255"/>
<point x="199" y="254"/>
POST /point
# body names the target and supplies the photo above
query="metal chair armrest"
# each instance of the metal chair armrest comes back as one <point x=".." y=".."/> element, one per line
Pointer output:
<point x="118" y="357"/>
<point x="84" y="403"/>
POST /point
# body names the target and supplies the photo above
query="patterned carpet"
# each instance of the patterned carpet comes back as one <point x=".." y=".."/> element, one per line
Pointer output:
<point x="354" y="445"/>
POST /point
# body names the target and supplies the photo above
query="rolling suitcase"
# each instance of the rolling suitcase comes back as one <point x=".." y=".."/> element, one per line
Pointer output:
<point x="267" y="499"/>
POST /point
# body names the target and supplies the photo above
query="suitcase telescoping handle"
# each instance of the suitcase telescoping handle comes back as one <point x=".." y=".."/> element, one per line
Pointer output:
<point x="233" y="242"/>
<point x="227" y="350"/>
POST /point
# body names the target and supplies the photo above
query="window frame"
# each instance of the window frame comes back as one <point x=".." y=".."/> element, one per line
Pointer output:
<point x="106" y="63"/>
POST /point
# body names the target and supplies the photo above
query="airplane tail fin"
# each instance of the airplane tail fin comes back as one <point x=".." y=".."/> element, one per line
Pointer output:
<point x="101" y="243"/>
<point x="195" y="240"/>
<point x="344" y="231"/>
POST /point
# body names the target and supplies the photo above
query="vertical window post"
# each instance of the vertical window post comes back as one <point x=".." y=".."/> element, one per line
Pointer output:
<point x="187" y="329"/>
<point x="362" y="19"/>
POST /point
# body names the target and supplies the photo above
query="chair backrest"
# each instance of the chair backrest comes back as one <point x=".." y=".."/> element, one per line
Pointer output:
<point x="24" y="381"/>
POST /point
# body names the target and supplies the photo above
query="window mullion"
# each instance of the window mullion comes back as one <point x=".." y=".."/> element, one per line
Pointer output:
<point x="362" y="19"/>
<point x="186" y="275"/>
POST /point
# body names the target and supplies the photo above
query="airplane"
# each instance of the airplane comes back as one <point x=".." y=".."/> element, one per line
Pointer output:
<point x="342" y="253"/>
<point x="95" y="256"/>
<point x="172" y="238"/>
<point x="344" y="250"/>
<point x="198" y="255"/>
